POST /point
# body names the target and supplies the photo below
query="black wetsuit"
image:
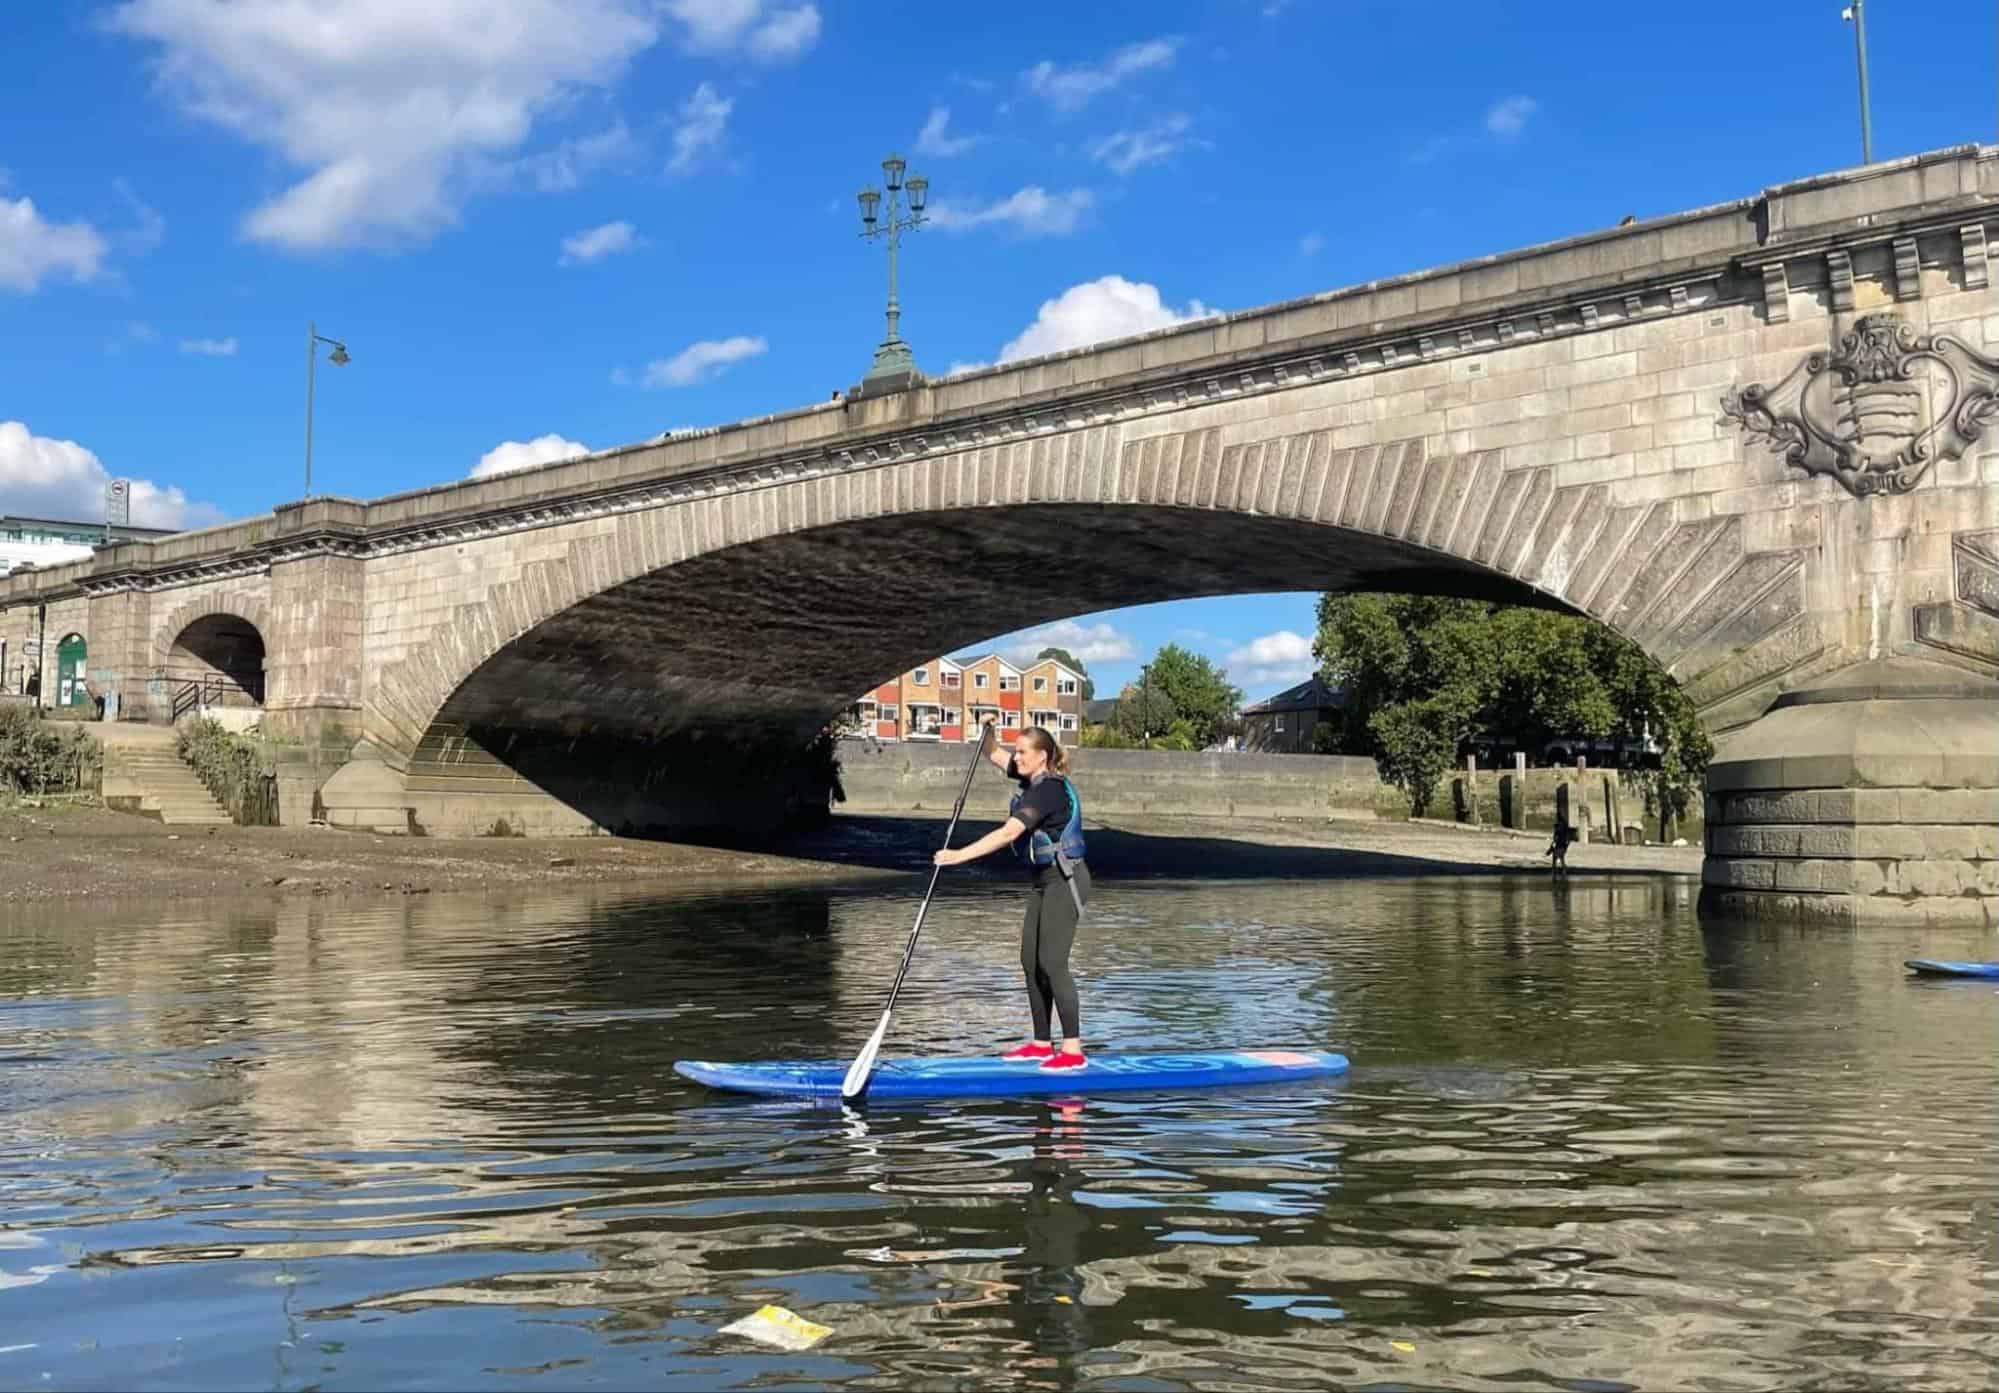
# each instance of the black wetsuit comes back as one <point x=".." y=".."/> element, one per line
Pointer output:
<point x="1048" y="931"/>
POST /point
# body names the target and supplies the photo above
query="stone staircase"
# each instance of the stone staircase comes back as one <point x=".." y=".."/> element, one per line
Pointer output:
<point x="144" y="774"/>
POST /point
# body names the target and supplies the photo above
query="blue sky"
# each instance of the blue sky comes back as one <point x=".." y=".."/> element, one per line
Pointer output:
<point x="547" y="224"/>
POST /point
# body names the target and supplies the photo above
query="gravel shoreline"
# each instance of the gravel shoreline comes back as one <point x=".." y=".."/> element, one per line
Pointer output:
<point x="65" y="851"/>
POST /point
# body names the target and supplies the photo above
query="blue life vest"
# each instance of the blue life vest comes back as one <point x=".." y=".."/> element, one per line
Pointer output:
<point x="1041" y="849"/>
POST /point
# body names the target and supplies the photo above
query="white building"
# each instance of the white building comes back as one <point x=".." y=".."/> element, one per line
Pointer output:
<point x="42" y="542"/>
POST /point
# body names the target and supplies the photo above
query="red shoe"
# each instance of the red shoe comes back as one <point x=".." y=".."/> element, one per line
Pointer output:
<point x="1028" y="1053"/>
<point x="1064" y="1060"/>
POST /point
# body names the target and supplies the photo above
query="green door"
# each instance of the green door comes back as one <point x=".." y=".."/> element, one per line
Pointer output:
<point x="69" y="671"/>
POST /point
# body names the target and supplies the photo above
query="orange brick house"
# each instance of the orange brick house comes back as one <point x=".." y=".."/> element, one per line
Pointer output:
<point x="992" y="688"/>
<point x="879" y="712"/>
<point x="945" y="699"/>
<point x="1054" y="697"/>
<point x="932" y="701"/>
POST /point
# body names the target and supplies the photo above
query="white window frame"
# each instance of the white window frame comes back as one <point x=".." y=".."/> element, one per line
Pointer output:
<point x="1068" y="721"/>
<point x="1053" y="717"/>
<point x="920" y="676"/>
<point x="953" y="679"/>
<point x="1065" y="686"/>
<point x="1278" y="727"/>
<point x="981" y="680"/>
<point x="952" y="717"/>
<point x="889" y="711"/>
<point x="1040" y="684"/>
<point x="915" y="730"/>
<point x="1009" y="684"/>
<point x="1009" y="720"/>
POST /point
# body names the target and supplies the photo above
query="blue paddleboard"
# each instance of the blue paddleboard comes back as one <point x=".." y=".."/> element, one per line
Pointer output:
<point x="989" y="1076"/>
<point x="1944" y="967"/>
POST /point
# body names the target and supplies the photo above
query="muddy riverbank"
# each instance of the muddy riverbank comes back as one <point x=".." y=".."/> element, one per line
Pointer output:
<point x="61" y="851"/>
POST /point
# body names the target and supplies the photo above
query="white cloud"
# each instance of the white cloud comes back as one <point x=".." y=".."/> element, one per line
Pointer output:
<point x="393" y="111"/>
<point x="700" y="362"/>
<point x="1109" y="307"/>
<point x="510" y="455"/>
<point x="1032" y="212"/>
<point x="702" y="118"/>
<point x="720" y="28"/>
<point x="138" y="331"/>
<point x="1087" y="643"/>
<point x="1284" y="657"/>
<point x="1508" y="117"/>
<point x="564" y="167"/>
<point x="1128" y="150"/>
<point x="933" y="139"/>
<point x="33" y="249"/>
<point x="1311" y="244"/>
<point x="209" y="348"/>
<point x="42" y="477"/>
<point x="1071" y="89"/>
<point x="149" y="229"/>
<point x="787" y="34"/>
<point x="1505" y="121"/>
<point x="599" y="242"/>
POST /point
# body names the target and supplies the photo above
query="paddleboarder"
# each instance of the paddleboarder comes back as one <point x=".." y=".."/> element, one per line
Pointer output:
<point x="1044" y="826"/>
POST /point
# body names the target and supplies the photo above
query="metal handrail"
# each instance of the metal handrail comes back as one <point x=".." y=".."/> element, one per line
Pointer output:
<point x="209" y="687"/>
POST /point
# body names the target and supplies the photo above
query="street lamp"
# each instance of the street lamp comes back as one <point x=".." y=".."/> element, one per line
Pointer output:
<point x="894" y="365"/>
<point x="338" y="357"/>
<point x="1856" y="15"/>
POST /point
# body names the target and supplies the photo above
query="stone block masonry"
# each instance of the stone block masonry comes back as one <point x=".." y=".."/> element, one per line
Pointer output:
<point x="910" y="776"/>
<point x="919" y="776"/>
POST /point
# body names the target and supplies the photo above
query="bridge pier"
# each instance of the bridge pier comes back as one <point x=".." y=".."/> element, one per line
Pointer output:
<point x="1870" y="798"/>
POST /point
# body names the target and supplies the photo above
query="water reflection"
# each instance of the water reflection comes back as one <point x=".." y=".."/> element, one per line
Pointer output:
<point x="1588" y="1142"/>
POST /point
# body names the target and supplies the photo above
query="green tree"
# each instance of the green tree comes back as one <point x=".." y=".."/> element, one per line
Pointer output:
<point x="1143" y="712"/>
<point x="1061" y="655"/>
<point x="1417" y="742"/>
<point x="1200" y="693"/>
<point x="1421" y="672"/>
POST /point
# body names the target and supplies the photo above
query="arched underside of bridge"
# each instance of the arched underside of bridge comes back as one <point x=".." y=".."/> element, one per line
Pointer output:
<point x="682" y="698"/>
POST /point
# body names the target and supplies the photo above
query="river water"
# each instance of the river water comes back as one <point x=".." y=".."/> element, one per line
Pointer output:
<point x="1588" y="1142"/>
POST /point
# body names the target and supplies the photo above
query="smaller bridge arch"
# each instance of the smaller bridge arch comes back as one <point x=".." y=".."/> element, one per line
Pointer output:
<point x="211" y="652"/>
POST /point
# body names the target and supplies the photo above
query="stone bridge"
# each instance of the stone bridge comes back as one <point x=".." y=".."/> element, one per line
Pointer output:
<point x="1751" y="436"/>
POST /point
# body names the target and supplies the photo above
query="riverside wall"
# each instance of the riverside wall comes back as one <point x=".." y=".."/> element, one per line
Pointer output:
<point x="919" y="776"/>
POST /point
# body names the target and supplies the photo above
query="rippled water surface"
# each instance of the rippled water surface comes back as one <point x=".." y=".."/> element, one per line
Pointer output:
<point x="1587" y="1143"/>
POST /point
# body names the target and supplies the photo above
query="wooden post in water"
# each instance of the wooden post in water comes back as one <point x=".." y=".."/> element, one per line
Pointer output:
<point x="1471" y="787"/>
<point x="1519" y="823"/>
<point x="1581" y="804"/>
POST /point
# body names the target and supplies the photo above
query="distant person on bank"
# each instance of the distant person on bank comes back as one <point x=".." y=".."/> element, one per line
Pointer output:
<point x="1558" y="845"/>
<point x="1044" y="826"/>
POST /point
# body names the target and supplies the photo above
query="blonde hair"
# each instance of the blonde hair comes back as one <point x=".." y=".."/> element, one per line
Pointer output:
<point x="1058" y="761"/>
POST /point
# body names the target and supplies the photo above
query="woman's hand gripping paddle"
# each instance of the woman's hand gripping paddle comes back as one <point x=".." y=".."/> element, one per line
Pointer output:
<point x="863" y="1066"/>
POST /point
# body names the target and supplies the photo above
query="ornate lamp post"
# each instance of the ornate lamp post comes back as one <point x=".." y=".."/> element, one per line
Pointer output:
<point x="894" y="365"/>
<point x="338" y="357"/>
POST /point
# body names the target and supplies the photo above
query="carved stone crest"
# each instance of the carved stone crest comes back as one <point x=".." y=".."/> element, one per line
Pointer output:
<point x="1880" y="412"/>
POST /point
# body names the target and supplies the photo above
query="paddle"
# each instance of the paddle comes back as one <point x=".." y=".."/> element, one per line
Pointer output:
<point x="856" y="1081"/>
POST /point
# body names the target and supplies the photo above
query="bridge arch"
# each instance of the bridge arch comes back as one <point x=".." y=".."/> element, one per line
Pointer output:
<point x="218" y="643"/>
<point x="749" y="620"/>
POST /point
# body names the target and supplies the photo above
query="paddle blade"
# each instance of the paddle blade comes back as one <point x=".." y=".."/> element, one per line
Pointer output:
<point x="856" y="1082"/>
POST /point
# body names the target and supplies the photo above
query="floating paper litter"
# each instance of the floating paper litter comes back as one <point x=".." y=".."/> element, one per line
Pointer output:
<point x="773" y="1325"/>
